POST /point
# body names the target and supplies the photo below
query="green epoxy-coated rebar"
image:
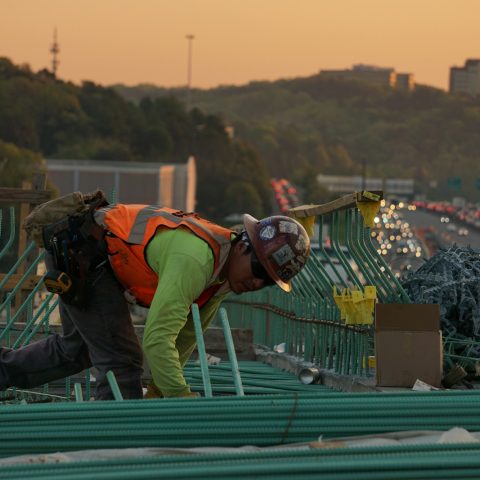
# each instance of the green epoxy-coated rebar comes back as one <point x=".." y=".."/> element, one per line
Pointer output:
<point x="275" y="418"/>
<point x="366" y="263"/>
<point x="29" y="332"/>
<point x="87" y="384"/>
<point x="287" y="455"/>
<point x="338" y="250"/>
<point x="444" y="461"/>
<point x="384" y="289"/>
<point x="112" y="381"/>
<point x="361" y="462"/>
<point x="229" y="421"/>
<point x="319" y="277"/>
<point x="347" y="405"/>
<point x="28" y="301"/>
<point x="257" y="378"/>
<point x="399" y="291"/>
<point x="437" y="461"/>
<point x="261" y="419"/>
<point x="231" y="352"/>
<point x="10" y="273"/>
<point x="202" y="354"/>
<point x="312" y="301"/>
<point x="78" y="392"/>
<point x="342" y="358"/>
<point x="341" y="280"/>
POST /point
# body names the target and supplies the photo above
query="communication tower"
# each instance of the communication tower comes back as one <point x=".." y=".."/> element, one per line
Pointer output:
<point x="55" y="50"/>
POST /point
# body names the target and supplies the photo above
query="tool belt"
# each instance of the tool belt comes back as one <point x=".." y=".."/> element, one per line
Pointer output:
<point x="77" y="247"/>
<point x="56" y="210"/>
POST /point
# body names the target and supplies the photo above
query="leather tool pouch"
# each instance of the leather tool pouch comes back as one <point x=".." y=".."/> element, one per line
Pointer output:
<point x="73" y="239"/>
<point x="54" y="211"/>
<point x="77" y="247"/>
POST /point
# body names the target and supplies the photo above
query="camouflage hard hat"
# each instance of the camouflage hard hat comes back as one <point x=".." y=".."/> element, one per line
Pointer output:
<point x="281" y="244"/>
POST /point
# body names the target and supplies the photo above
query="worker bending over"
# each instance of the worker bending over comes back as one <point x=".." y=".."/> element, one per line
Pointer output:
<point x="165" y="260"/>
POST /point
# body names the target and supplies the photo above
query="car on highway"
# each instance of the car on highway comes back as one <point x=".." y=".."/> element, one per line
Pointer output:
<point x="463" y="232"/>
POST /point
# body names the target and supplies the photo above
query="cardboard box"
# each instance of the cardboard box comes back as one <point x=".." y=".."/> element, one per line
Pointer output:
<point x="408" y="344"/>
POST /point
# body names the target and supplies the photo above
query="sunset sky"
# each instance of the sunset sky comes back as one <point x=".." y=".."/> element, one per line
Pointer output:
<point x="237" y="41"/>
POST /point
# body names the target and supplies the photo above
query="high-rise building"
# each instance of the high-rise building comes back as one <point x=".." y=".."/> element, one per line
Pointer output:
<point x="466" y="79"/>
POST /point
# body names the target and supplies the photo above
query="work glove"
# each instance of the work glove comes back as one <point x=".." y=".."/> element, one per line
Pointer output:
<point x="154" y="392"/>
<point x="189" y="395"/>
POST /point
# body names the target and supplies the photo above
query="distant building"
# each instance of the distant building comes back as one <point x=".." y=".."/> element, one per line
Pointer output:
<point x="403" y="187"/>
<point x="168" y="185"/>
<point x="373" y="75"/>
<point x="466" y="79"/>
<point x="405" y="81"/>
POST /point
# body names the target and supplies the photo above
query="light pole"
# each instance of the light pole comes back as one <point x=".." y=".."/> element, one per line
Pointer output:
<point x="189" y="70"/>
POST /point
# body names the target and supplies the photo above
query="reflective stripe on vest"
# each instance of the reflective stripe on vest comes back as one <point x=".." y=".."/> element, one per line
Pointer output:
<point x="133" y="226"/>
<point x="138" y="230"/>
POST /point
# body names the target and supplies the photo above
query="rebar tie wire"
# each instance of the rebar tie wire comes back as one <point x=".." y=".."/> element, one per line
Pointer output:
<point x="296" y="318"/>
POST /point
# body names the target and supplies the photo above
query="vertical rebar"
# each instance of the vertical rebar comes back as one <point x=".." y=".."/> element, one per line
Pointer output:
<point x="117" y="394"/>
<point x="78" y="392"/>
<point x="202" y="354"/>
<point x="237" y="380"/>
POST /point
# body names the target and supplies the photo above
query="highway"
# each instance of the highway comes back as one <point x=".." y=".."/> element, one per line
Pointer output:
<point x="422" y="218"/>
<point x="446" y="235"/>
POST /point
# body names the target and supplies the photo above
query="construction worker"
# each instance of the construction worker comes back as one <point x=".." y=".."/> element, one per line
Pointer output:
<point x="165" y="260"/>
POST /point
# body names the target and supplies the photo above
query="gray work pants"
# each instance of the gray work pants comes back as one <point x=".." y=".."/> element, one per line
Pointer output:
<point x="101" y="334"/>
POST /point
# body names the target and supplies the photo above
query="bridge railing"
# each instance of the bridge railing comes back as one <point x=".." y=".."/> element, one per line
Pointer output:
<point x="328" y="317"/>
<point x="26" y="309"/>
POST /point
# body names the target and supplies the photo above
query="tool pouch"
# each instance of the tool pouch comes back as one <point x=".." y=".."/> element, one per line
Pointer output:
<point x="73" y="239"/>
<point x="77" y="247"/>
<point x="75" y="204"/>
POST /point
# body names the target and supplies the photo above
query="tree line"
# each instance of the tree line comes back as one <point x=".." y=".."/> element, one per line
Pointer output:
<point x="315" y="124"/>
<point x="44" y="117"/>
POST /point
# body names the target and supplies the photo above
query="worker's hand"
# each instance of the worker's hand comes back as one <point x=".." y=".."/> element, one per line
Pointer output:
<point x="153" y="391"/>
<point x="190" y="395"/>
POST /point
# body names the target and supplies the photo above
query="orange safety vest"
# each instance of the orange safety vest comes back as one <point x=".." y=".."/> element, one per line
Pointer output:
<point x="129" y="229"/>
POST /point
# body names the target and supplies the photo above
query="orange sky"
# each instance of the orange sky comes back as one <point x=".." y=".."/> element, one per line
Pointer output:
<point x="236" y="41"/>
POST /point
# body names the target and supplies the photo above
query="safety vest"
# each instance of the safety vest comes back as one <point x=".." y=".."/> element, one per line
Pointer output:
<point x="129" y="229"/>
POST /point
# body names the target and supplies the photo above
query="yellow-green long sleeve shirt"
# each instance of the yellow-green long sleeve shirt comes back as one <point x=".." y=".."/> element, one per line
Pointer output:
<point x="184" y="265"/>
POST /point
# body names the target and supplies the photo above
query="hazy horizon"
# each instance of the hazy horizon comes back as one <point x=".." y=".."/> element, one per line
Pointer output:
<point x="237" y="42"/>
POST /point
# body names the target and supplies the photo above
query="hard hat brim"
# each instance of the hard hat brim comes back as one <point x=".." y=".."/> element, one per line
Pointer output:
<point x="250" y="223"/>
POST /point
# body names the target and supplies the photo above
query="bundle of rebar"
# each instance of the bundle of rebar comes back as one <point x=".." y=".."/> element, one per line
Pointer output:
<point x="436" y="461"/>
<point x="229" y="421"/>
<point x="257" y="378"/>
